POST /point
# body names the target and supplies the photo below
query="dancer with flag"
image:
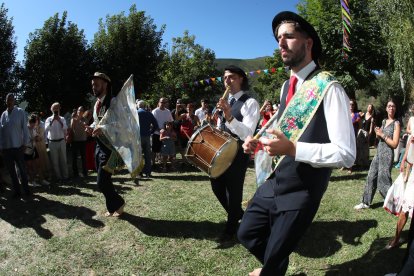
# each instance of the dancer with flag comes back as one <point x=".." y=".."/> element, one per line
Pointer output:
<point x="116" y="128"/>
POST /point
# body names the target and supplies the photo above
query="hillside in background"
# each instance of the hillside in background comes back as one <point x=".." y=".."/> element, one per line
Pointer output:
<point x="246" y="64"/>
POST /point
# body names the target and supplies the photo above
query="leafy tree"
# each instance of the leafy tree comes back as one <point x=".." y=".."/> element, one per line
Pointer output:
<point x="126" y="45"/>
<point x="57" y="66"/>
<point x="369" y="51"/>
<point x="9" y="68"/>
<point x="184" y="67"/>
<point x="268" y="85"/>
<point x="396" y="19"/>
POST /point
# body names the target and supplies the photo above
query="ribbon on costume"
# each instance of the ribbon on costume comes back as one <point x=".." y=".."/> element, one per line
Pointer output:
<point x="294" y="120"/>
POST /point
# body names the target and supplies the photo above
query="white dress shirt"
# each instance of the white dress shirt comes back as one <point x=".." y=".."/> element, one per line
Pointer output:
<point x="56" y="130"/>
<point x="251" y="115"/>
<point x="341" y="151"/>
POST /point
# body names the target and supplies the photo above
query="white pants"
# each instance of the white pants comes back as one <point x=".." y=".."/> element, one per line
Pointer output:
<point x="58" y="158"/>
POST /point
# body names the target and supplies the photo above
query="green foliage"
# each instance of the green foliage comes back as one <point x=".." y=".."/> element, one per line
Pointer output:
<point x="246" y="64"/>
<point x="129" y="44"/>
<point x="183" y="68"/>
<point x="9" y="68"/>
<point x="268" y="85"/>
<point x="57" y="66"/>
<point x="369" y="52"/>
<point x="396" y="19"/>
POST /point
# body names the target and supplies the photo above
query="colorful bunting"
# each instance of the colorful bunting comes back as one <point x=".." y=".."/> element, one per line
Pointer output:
<point x="212" y="81"/>
<point x="346" y="28"/>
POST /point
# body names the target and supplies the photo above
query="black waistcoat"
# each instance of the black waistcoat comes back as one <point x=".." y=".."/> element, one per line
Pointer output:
<point x="235" y="112"/>
<point x="296" y="184"/>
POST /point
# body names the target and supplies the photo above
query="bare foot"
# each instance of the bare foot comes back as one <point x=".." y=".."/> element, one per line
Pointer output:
<point x="119" y="212"/>
<point x="393" y="243"/>
<point x="255" y="272"/>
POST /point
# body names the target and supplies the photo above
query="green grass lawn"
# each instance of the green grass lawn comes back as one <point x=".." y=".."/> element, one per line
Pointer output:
<point x="169" y="228"/>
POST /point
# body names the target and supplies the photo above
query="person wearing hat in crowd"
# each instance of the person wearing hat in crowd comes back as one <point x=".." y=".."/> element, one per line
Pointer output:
<point x="239" y="116"/>
<point x="284" y="206"/>
<point x="101" y="87"/>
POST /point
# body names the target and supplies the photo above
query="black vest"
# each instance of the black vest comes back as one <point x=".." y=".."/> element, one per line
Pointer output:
<point x="235" y="112"/>
<point x="297" y="184"/>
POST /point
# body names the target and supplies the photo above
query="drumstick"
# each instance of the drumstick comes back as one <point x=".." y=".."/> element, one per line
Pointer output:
<point x="266" y="126"/>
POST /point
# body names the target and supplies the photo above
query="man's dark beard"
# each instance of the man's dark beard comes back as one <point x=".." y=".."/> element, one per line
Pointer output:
<point x="97" y="93"/>
<point x="296" y="60"/>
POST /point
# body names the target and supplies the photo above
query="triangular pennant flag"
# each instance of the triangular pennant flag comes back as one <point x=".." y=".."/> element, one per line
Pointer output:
<point x="273" y="69"/>
<point x="259" y="71"/>
<point x="219" y="79"/>
<point x="207" y="81"/>
<point x="251" y="73"/>
<point x="202" y="82"/>
<point x="266" y="71"/>
<point x="213" y="79"/>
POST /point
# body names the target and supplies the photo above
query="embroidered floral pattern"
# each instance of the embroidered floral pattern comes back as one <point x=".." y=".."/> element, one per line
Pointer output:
<point x="295" y="119"/>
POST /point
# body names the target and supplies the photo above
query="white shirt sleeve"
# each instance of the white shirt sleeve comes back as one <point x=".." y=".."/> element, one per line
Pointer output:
<point x="341" y="151"/>
<point x="251" y="115"/>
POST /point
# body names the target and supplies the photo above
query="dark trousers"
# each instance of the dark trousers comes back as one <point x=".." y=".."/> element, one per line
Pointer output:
<point x="79" y="147"/>
<point x="104" y="180"/>
<point x="272" y="235"/>
<point x="146" y="150"/>
<point x="228" y="188"/>
<point x="13" y="158"/>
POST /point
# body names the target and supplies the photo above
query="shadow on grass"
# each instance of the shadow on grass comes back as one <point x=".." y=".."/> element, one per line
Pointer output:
<point x="376" y="261"/>
<point x="30" y="213"/>
<point x="352" y="176"/>
<point x="185" y="177"/>
<point x="175" y="229"/>
<point x="321" y="240"/>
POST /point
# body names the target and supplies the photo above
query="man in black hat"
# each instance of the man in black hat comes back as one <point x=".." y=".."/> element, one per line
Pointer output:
<point x="101" y="87"/>
<point x="286" y="203"/>
<point x="240" y="115"/>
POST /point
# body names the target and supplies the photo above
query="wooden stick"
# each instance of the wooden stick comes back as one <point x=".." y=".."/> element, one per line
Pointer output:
<point x="226" y="93"/>
<point x="266" y="126"/>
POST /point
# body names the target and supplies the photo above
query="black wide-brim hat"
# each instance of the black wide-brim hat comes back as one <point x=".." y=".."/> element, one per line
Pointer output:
<point x="306" y="27"/>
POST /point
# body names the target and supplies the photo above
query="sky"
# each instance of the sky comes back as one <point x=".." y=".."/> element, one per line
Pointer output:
<point x="238" y="29"/>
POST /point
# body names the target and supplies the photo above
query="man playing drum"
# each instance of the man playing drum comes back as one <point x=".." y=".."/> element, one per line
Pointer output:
<point x="239" y="116"/>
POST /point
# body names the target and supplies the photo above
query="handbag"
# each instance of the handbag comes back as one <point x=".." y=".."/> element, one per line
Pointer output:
<point x="395" y="196"/>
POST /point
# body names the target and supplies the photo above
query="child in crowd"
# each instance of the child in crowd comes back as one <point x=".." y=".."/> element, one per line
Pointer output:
<point x="167" y="137"/>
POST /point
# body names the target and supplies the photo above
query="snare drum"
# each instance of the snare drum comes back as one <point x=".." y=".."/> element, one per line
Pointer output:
<point x="211" y="150"/>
